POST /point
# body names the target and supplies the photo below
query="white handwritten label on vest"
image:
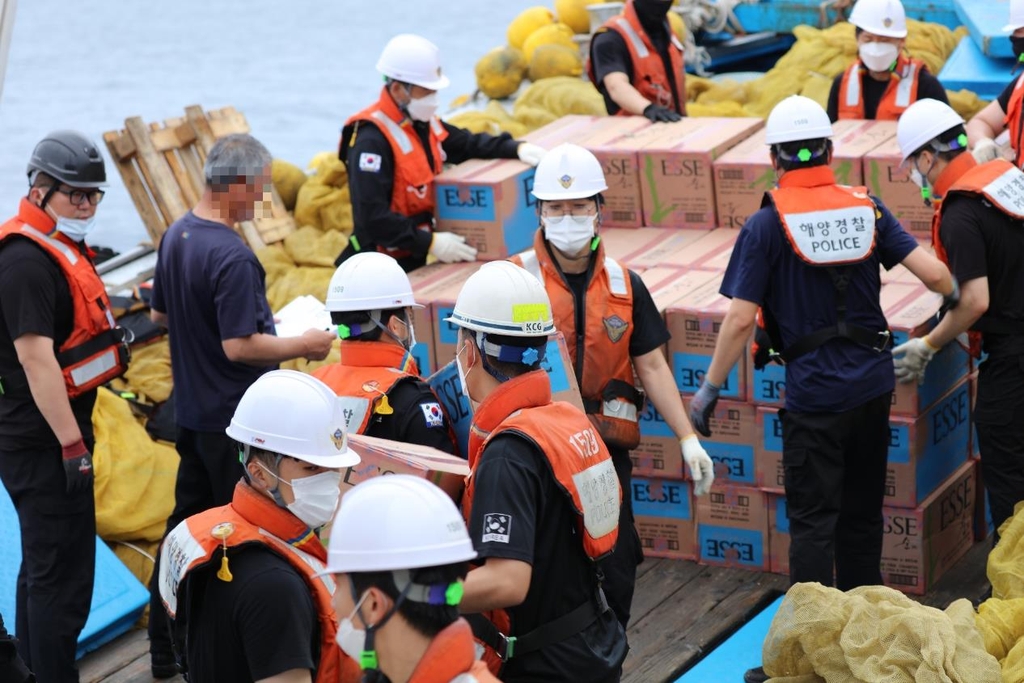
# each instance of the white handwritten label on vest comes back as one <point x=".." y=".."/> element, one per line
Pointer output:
<point x="354" y="409"/>
<point x="832" y="236"/>
<point x="1007" y="192"/>
<point x="598" y="487"/>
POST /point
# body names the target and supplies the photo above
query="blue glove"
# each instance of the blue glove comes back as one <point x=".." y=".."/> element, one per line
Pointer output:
<point x="702" y="405"/>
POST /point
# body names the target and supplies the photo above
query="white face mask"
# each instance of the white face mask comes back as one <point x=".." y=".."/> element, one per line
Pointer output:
<point x="422" y="108"/>
<point x="916" y="177"/>
<point x="316" y="498"/>
<point x="73" y="228"/>
<point x="878" y="56"/>
<point x="462" y="373"/>
<point x="349" y="638"/>
<point x="569" y="234"/>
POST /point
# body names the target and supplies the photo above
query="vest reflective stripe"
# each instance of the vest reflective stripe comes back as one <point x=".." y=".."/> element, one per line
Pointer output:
<point x="906" y="86"/>
<point x="616" y="277"/>
<point x="853" y="85"/>
<point x="638" y="44"/>
<point x="90" y="370"/>
<point x="399" y="136"/>
<point x="623" y="410"/>
<point x="531" y="265"/>
<point x="64" y="249"/>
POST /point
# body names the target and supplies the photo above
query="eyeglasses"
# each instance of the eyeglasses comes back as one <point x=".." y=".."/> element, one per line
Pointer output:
<point x="76" y="197"/>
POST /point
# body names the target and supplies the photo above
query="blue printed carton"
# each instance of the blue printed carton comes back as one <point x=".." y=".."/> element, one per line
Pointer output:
<point x="664" y="515"/>
<point x="778" y="535"/>
<point x="732" y="527"/>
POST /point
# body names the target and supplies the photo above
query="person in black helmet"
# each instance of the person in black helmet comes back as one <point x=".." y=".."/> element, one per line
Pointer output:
<point x="58" y="343"/>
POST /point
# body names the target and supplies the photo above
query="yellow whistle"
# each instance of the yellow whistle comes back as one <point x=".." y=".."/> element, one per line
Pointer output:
<point x="383" y="407"/>
<point x="224" y="573"/>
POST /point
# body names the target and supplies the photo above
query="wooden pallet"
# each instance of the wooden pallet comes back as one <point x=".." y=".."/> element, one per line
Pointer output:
<point x="162" y="167"/>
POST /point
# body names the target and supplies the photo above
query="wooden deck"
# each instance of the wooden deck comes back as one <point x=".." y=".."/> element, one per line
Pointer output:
<point x="680" y="611"/>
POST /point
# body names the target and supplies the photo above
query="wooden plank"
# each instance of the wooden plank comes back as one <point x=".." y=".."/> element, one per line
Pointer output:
<point x="659" y="584"/>
<point x="201" y="125"/>
<point x="188" y="193"/>
<point x="137" y="671"/>
<point x="151" y="218"/>
<point x="113" y="657"/>
<point x="162" y="183"/>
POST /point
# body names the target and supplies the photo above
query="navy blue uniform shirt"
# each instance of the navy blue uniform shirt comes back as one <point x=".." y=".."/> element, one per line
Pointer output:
<point x="212" y="288"/>
<point x="765" y="270"/>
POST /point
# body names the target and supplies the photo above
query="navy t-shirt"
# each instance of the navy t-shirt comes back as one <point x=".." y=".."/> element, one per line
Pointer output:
<point x="764" y="269"/>
<point x="212" y="288"/>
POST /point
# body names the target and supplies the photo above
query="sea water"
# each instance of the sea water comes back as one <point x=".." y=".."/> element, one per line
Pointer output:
<point x="296" y="68"/>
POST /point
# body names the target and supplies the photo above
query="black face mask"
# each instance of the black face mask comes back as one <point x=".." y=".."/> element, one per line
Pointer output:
<point x="1018" y="46"/>
<point x="652" y="12"/>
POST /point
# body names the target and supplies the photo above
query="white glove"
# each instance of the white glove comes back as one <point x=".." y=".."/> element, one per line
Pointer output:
<point x="914" y="358"/>
<point x="449" y="248"/>
<point x="985" y="149"/>
<point x="530" y="153"/>
<point x="702" y="468"/>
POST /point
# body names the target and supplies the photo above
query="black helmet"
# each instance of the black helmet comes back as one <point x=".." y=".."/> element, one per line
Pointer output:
<point x="71" y="158"/>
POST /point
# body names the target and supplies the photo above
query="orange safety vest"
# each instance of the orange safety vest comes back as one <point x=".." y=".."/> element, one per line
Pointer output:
<point x="829" y="226"/>
<point x="96" y="351"/>
<point x="451" y="658"/>
<point x="578" y="459"/>
<point x="649" y="77"/>
<point x="600" y="355"/>
<point x="899" y="94"/>
<point x="366" y="373"/>
<point x="412" y="190"/>
<point x="999" y="182"/>
<point x="212" y="537"/>
<point x="1015" y="120"/>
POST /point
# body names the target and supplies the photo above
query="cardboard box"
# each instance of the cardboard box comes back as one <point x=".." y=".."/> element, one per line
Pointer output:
<point x="627" y="245"/>
<point x="950" y="365"/>
<point x="887" y="180"/>
<point x="422" y="280"/>
<point x="731" y="445"/>
<point x="446" y="385"/>
<point x="560" y="130"/>
<point x="732" y="528"/>
<point x="919" y="545"/>
<point x="923" y="450"/>
<point x="443" y="296"/>
<point x="676" y="176"/>
<point x="490" y="204"/>
<point x="655" y="253"/>
<point x="693" y="321"/>
<point x="744" y="173"/>
<point x="778" y="535"/>
<point x="612" y="140"/>
<point x="664" y="518"/>
<point x="381" y="457"/>
<point x="711" y="252"/>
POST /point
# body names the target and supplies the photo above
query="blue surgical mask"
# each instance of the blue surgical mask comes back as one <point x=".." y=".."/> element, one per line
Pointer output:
<point x="74" y="228"/>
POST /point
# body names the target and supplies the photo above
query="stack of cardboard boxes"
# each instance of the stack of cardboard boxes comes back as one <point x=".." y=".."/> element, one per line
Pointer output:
<point x="678" y="194"/>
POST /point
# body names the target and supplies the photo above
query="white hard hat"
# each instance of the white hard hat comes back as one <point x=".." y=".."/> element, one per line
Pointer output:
<point x="396" y="522"/>
<point x="568" y="172"/>
<point x="797" y="118"/>
<point x="922" y="122"/>
<point x="1016" y="16"/>
<point x="502" y="298"/>
<point x="369" y="281"/>
<point x="413" y="59"/>
<point x="880" y="17"/>
<point x="293" y="414"/>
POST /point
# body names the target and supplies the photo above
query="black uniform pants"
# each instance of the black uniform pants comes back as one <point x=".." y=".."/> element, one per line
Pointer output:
<point x="207" y="474"/>
<point x="835" y="469"/>
<point x="12" y="668"/>
<point x="999" y="417"/>
<point x="58" y="561"/>
<point x="619" y="568"/>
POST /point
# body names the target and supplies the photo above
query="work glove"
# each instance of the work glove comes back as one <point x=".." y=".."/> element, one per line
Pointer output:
<point x="449" y="248"/>
<point x="656" y="113"/>
<point x="985" y="149"/>
<point x="911" y="358"/>
<point x="77" y="467"/>
<point x="530" y="153"/>
<point x="702" y="405"/>
<point x="702" y="468"/>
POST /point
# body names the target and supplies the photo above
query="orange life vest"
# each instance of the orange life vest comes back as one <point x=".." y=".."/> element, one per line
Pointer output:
<point x="367" y="372"/>
<point x="999" y="182"/>
<point x="1015" y="120"/>
<point x="412" y="190"/>
<point x="96" y="351"/>
<point x="451" y="658"/>
<point x="600" y="355"/>
<point x="649" y="77"/>
<point x="253" y="519"/>
<point x="578" y="459"/>
<point x="829" y="226"/>
<point x="900" y="93"/>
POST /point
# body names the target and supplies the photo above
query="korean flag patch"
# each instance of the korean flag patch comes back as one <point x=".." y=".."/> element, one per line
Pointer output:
<point x="496" y="527"/>
<point x="432" y="414"/>
<point x="369" y="162"/>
